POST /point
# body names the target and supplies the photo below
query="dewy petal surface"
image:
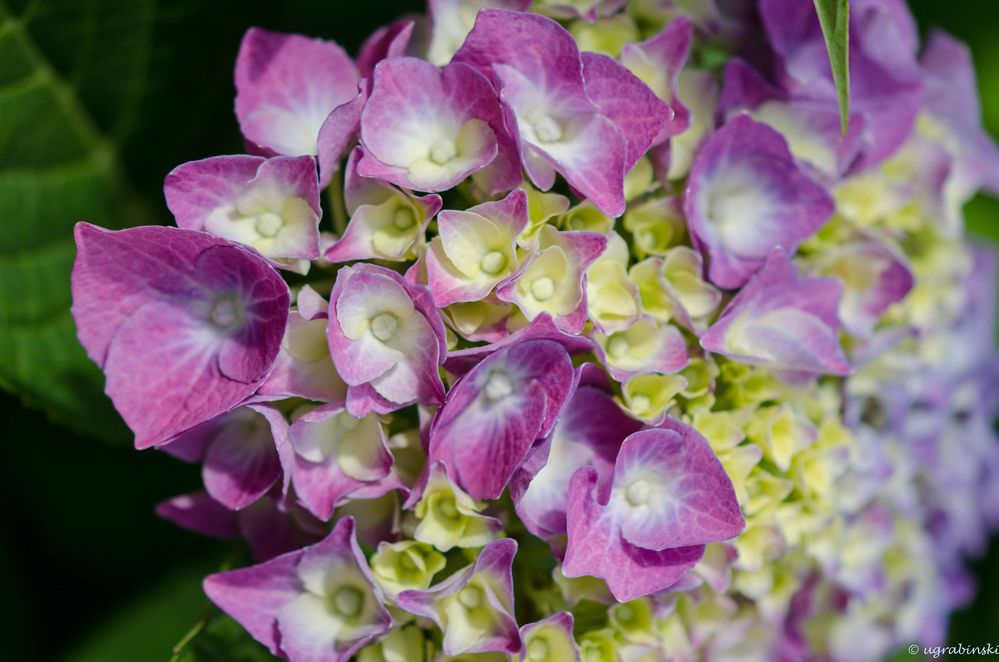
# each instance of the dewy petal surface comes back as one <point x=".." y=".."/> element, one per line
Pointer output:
<point x="185" y="326"/>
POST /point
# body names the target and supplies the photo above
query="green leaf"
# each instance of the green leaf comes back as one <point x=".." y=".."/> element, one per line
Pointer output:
<point x="147" y="627"/>
<point x="834" y="17"/>
<point x="218" y="638"/>
<point x="56" y="167"/>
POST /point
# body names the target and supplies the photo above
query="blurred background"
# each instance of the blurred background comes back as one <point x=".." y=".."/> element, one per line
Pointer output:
<point x="99" y="99"/>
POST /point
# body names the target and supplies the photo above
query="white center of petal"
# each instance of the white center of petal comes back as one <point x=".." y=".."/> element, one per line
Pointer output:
<point x="493" y="262"/>
<point x="641" y="403"/>
<point x="268" y="224"/>
<point x="638" y="492"/>
<point x="442" y="151"/>
<point x="543" y="288"/>
<point x="407" y="563"/>
<point x="498" y="386"/>
<point x="348" y="422"/>
<point x="226" y="313"/>
<point x="384" y="326"/>
<point x="538" y="650"/>
<point x="618" y="346"/>
<point x="403" y="218"/>
<point x="347" y="602"/>
<point x="470" y="597"/>
<point x="547" y="129"/>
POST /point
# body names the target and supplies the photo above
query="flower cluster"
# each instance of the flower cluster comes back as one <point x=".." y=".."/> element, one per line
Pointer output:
<point x="617" y="347"/>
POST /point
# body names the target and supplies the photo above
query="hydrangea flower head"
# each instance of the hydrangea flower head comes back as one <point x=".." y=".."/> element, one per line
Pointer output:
<point x="613" y="344"/>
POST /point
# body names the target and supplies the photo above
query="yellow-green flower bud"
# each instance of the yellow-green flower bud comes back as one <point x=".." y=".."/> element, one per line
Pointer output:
<point x="405" y="565"/>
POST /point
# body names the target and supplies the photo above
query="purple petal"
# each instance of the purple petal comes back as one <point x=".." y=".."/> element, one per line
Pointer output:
<point x="303" y="368"/>
<point x="598" y="550"/>
<point x="184" y="325"/>
<point x="658" y="61"/>
<point x="272" y="528"/>
<point x="324" y="452"/>
<point x="744" y="196"/>
<point x="309" y="627"/>
<point x="628" y="102"/>
<point x="510" y="399"/>
<point x="254" y="595"/>
<point x="564" y="298"/>
<point x="782" y="320"/>
<point x="286" y="86"/>
<point x="671" y="491"/>
<point x="274" y="209"/>
<point x="646" y="346"/>
<point x="200" y="513"/>
<point x="457" y="269"/>
<point x="589" y="433"/>
<point x="952" y="98"/>
<point x="874" y="276"/>
<point x="426" y="128"/>
<point x="495" y="563"/>
<point x="338" y="132"/>
<point x="812" y="128"/>
<point x="535" y="63"/>
<point x="385" y="222"/>
<point x="241" y="462"/>
<point x="385" y="42"/>
<point x="386" y="335"/>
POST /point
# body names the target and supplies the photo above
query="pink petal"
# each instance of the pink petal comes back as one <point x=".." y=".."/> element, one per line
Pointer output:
<point x="510" y="399"/>
<point x="286" y="87"/>
<point x="597" y="549"/>
<point x="144" y="301"/>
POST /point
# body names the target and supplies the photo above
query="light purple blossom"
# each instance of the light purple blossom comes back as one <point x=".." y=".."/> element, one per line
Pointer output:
<point x="386" y="339"/>
<point x="386" y="222"/>
<point x="426" y="128"/>
<point x="510" y="399"/>
<point x="746" y="195"/>
<point x="475" y="250"/>
<point x="240" y="451"/>
<point x="286" y="87"/>
<point x="535" y="64"/>
<point x="335" y="455"/>
<point x="589" y="433"/>
<point x="669" y="496"/>
<point x="316" y="603"/>
<point x="185" y="326"/>
<point x="304" y="368"/>
<point x="271" y="205"/>
<point x="782" y="320"/>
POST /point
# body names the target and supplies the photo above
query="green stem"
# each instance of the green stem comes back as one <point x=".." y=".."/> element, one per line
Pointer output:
<point x="337" y="207"/>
